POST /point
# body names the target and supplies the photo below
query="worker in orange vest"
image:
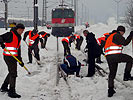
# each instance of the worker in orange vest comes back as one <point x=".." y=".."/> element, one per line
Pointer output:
<point x="11" y="42"/>
<point x="79" y="40"/>
<point x="113" y="52"/>
<point x="101" y="41"/>
<point x="43" y="38"/>
<point x="67" y="44"/>
<point x="33" y="45"/>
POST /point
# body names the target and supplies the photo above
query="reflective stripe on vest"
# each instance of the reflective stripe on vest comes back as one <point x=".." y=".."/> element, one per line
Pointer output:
<point x="12" y="47"/>
<point x="7" y="53"/>
<point x="98" y="41"/>
<point x="113" y="52"/>
<point x="112" y="48"/>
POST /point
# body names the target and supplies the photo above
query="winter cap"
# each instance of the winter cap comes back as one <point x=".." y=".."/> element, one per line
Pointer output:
<point x="85" y="31"/>
<point x="121" y="28"/>
<point x="34" y="31"/>
<point x="20" y="26"/>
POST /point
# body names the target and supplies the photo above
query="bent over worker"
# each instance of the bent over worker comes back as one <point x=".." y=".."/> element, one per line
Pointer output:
<point x="43" y="38"/>
<point x="67" y="43"/>
<point x="79" y="40"/>
<point x="33" y="45"/>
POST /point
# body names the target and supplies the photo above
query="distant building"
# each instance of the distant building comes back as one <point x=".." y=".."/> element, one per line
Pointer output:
<point x="26" y="22"/>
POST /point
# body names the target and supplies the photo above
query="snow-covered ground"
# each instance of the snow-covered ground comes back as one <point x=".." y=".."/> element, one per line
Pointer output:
<point x="42" y="85"/>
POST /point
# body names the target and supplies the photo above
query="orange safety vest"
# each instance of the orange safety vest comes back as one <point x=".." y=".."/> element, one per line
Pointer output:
<point x="42" y="36"/>
<point x="102" y="38"/>
<point x="12" y="46"/>
<point x="32" y="39"/>
<point x="112" y="48"/>
<point x="66" y="39"/>
<point x="77" y="36"/>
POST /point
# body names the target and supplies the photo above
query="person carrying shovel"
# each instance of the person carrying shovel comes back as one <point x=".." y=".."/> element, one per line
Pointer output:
<point x="10" y="43"/>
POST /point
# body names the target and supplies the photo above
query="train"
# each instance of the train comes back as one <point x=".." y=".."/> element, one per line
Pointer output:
<point x="63" y="21"/>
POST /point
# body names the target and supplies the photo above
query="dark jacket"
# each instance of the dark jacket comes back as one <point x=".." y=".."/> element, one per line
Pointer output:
<point x="71" y="62"/>
<point x="120" y="40"/>
<point x="94" y="49"/>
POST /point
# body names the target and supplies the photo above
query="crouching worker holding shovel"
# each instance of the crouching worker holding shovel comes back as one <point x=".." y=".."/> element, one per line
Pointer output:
<point x="10" y="42"/>
<point x="71" y="65"/>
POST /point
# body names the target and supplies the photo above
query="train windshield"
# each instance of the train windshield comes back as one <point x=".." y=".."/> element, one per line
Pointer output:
<point x="63" y="13"/>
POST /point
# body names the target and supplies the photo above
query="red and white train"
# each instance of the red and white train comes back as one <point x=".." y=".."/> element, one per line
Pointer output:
<point x="63" y="20"/>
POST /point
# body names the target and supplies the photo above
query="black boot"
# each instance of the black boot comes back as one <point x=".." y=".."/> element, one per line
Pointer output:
<point x="77" y="74"/>
<point x="29" y="62"/>
<point x="90" y="75"/>
<point x="111" y="92"/>
<point x="12" y="93"/>
<point x="127" y="77"/>
<point x="4" y="87"/>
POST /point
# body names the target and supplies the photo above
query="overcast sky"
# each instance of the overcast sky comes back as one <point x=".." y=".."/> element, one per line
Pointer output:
<point x="96" y="10"/>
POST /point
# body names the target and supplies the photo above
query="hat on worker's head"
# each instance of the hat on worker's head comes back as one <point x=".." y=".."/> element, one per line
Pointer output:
<point x="34" y="31"/>
<point x="21" y="26"/>
<point x="86" y="31"/>
<point x="121" y="28"/>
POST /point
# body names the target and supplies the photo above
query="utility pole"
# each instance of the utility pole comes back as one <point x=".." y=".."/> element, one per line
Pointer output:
<point x="117" y="1"/>
<point x="35" y="14"/>
<point x="62" y="2"/>
<point x="71" y="3"/>
<point x="28" y="15"/>
<point x="6" y="14"/>
<point x="75" y="6"/>
<point x="85" y="14"/>
<point x="88" y="16"/>
<point x="77" y="12"/>
<point x="44" y="12"/>
<point x="82" y="15"/>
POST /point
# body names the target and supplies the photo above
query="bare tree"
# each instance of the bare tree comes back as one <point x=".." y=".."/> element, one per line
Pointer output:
<point x="129" y="14"/>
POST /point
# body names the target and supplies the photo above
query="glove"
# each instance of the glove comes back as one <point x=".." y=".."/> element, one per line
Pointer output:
<point x="86" y="50"/>
<point x="48" y="35"/>
<point x="20" y="59"/>
<point x="131" y="34"/>
<point x="1" y="40"/>
<point x="22" y="64"/>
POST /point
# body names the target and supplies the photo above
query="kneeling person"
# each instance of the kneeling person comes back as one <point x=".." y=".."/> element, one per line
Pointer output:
<point x="71" y="65"/>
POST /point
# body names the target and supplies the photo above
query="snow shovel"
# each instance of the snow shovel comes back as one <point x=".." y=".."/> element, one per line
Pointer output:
<point x="17" y="60"/>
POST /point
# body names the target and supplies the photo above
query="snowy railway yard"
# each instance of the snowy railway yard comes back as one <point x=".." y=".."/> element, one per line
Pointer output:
<point x="41" y="84"/>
